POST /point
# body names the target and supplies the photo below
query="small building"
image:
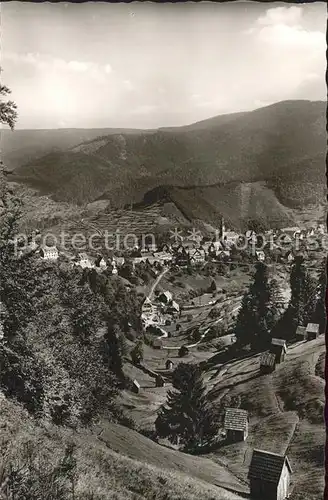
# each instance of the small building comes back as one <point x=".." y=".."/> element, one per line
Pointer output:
<point x="160" y="382"/>
<point x="224" y="255"/>
<point x="119" y="261"/>
<point x="84" y="261"/>
<point x="49" y="253"/>
<point x="114" y="268"/>
<point x="197" y="256"/>
<point x="173" y="308"/>
<point x="260" y="256"/>
<point x="100" y="263"/>
<point x="166" y="248"/>
<point x="269" y="475"/>
<point x="163" y="257"/>
<point x="289" y="257"/>
<point x="236" y="424"/>
<point x="135" y="387"/>
<point x="151" y="247"/>
<point x="279" y="348"/>
<point x="157" y="343"/>
<point x="312" y="331"/>
<point x="301" y="333"/>
<point x="148" y="309"/>
<point x="169" y="364"/>
<point x="267" y="362"/>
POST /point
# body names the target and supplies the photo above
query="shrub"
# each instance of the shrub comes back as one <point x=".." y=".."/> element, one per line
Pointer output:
<point x="183" y="351"/>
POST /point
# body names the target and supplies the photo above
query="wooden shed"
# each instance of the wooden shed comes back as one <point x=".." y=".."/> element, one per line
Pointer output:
<point x="236" y="424"/>
<point x="279" y="348"/>
<point x="267" y="362"/>
<point x="312" y="331"/>
<point x="135" y="387"/>
<point x="269" y="475"/>
<point x="301" y="333"/>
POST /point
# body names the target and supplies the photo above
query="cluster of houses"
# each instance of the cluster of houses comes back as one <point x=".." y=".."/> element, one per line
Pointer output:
<point x="83" y="260"/>
<point x="188" y="252"/>
<point x="273" y="244"/>
<point x="159" y="310"/>
<point x="278" y="347"/>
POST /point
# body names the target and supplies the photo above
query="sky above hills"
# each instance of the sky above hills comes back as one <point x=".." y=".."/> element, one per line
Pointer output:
<point x="154" y="65"/>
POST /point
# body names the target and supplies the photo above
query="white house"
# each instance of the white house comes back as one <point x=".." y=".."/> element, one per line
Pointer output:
<point x="173" y="308"/>
<point x="230" y="237"/>
<point x="119" y="261"/>
<point x="84" y="261"/>
<point x="101" y="263"/>
<point x="260" y="256"/>
<point x="49" y="253"/>
<point x="114" y="268"/>
<point x="163" y="257"/>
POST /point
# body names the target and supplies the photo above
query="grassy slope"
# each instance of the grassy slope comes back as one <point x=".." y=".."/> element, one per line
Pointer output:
<point x="286" y="414"/>
<point x="138" y="447"/>
<point x="109" y="474"/>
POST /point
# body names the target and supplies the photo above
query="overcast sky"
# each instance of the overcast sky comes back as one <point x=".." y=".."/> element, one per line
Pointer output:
<point x="151" y="65"/>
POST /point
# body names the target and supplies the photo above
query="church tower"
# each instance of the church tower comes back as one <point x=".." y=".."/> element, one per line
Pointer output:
<point x="222" y="229"/>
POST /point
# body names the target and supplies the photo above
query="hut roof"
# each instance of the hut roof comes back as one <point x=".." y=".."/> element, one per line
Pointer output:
<point x="267" y="466"/>
<point x="279" y="343"/>
<point x="236" y="419"/>
<point x="267" y="359"/>
<point x="301" y="330"/>
<point x="312" y="328"/>
<point x="136" y="384"/>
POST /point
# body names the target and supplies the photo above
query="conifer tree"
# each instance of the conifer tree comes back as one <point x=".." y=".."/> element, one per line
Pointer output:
<point x="137" y="353"/>
<point x="112" y="350"/>
<point x="189" y="417"/>
<point x="319" y="315"/>
<point x="258" y="312"/>
<point x="302" y="301"/>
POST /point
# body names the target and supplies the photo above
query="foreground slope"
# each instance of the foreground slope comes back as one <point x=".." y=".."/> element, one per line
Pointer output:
<point x="101" y="472"/>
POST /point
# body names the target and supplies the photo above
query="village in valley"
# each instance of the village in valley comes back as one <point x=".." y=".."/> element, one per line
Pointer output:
<point x="163" y="251"/>
<point x="191" y="292"/>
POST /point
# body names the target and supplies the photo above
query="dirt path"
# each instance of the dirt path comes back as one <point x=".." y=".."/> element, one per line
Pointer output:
<point x="156" y="282"/>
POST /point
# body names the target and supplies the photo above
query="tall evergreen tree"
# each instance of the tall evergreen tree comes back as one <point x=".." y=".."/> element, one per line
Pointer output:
<point x="258" y="312"/>
<point x="112" y="350"/>
<point x="137" y="353"/>
<point x="319" y="315"/>
<point x="188" y="417"/>
<point x="302" y="301"/>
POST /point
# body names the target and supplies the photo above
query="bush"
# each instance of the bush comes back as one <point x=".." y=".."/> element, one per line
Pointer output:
<point x="183" y="351"/>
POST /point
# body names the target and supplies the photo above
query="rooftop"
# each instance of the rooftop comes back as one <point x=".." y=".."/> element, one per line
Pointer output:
<point x="268" y="359"/>
<point x="236" y="419"/>
<point x="267" y="466"/>
<point x="312" y="328"/>
<point x="279" y="342"/>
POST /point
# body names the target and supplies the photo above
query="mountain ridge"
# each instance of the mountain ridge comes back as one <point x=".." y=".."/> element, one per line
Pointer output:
<point x="282" y="146"/>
